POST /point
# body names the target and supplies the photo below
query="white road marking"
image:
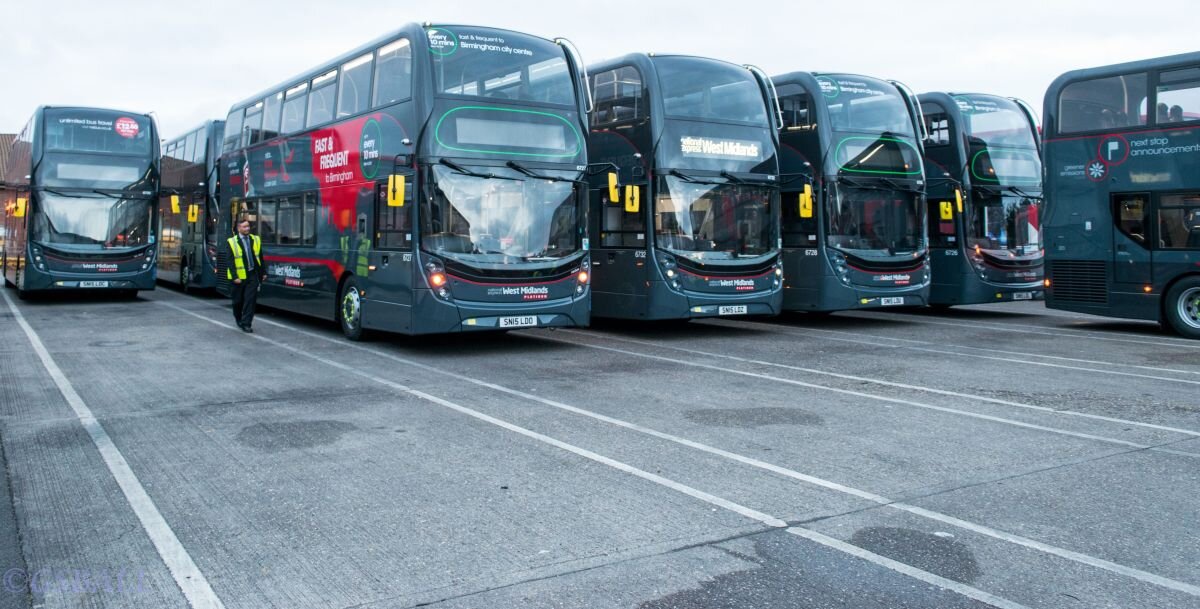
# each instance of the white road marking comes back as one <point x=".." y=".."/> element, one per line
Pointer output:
<point x="188" y="577"/>
<point x="864" y="379"/>
<point x="783" y="471"/>
<point x="1068" y="333"/>
<point x="989" y="357"/>
<point x="871" y="396"/>
<point x="913" y="572"/>
<point x="766" y="519"/>
<point x="909" y="341"/>
<point x="770" y="521"/>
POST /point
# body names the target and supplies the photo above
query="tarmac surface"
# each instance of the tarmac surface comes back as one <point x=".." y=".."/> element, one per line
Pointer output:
<point x="991" y="456"/>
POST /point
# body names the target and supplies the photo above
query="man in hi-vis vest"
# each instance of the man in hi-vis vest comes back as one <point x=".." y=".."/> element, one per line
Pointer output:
<point x="246" y="271"/>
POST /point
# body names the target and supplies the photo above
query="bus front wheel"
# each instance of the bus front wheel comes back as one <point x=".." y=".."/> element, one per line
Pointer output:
<point x="350" y="310"/>
<point x="1183" y="307"/>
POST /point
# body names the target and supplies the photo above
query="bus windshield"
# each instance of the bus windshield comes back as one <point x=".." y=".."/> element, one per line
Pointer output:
<point x="875" y="222"/>
<point x="91" y="222"/>
<point x="704" y="89"/>
<point x="1003" y="223"/>
<point x="714" y="221"/>
<point x="97" y="131"/>
<point x="498" y="64"/>
<point x="859" y="103"/>
<point x="995" y="122"/>
<point x="507" y="218"/>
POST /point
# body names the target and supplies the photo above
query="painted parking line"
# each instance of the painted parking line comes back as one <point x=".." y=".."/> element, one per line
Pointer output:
<point x="886" y="502"/>
<point x="187" y="575"/>
<point x="750" y="513"/>
<point x="908" y="341"/>
<point x="994" y="358"/>
<point x="1062" y="333"/>
<point x="883" y="398"/>
<point x="885" y="383"/>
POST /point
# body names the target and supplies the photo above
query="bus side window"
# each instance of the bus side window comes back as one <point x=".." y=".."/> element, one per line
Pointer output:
<point x="1179" y="221"/>
<point x="619" y="96"/>
<point x="618" y="228"/>
<point x="266" y="221"/>
<point x="393" y="224"/>
<point x="393" y="73"/>
<point x="1132" y="214"/>
<point x="941" y="222"/>
<point x="1103" y="103"/>
<point x="1179" y="96"/>
<point x="796" y="114"/>
<point x="937" y="124"/>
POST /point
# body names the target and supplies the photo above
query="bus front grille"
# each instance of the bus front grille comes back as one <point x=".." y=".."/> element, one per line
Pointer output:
<point x="1079" y="281"/>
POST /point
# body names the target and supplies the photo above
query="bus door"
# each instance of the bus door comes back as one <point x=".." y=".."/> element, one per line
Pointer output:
<point x="391" y="268"/>
<point x="802" y="242"/>
<point x="1131" y="246"/>
<point x="15" y="232"/>
<point x="620" y="256"/>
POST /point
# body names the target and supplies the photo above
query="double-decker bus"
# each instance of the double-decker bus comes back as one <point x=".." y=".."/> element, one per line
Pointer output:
<point x="79" y="195"/>
<point x="187" y="208"/>
<point x="983" y="176"/>
<point x="430" y="181"/>
<point x="688" y="226"/>
<point x="854" y="234"/>
<point x="1122" y="221"/>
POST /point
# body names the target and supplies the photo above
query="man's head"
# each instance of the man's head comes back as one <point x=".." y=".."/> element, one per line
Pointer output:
<point x="243" y="227"/>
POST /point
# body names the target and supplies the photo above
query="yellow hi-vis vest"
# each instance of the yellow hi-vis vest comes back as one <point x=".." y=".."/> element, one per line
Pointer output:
<point x="239" y="259"/>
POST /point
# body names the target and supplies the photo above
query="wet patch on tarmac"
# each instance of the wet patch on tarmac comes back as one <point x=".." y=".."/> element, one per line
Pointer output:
<point x="788" y="573"/>
<point x="937" y="554"/>
<point x="752" y="417"/>
<point x="293" y="435"/>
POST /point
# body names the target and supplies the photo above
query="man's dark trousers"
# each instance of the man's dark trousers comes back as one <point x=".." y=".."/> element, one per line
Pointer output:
<point x="245" y="296"/>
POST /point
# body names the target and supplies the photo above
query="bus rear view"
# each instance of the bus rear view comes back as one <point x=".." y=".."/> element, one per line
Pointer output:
<point x="79" y="194"/>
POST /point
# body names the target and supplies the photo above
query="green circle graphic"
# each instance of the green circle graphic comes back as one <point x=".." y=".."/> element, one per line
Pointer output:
<point x="440" y="52"/>
<point x="370" y="167"/>
<point x="837" y="89"/>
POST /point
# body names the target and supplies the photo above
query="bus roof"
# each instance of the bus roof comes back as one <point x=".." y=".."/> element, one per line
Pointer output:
<point x="1141" y="65"/>
<point x="413" y="30"/>
<point x="40" y="109"/>
<point x="645" y="59"/>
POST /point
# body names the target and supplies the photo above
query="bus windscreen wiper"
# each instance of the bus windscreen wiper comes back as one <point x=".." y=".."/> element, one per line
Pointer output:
<point x="1021" y="193"/>
<point x="475" y="174"/>
<point x="107" y="194"/>
<point x="515" y="166"/>
<point x="691" y="180"/>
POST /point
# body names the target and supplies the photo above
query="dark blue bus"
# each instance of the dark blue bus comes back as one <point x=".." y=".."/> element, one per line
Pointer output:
<point x="689" y="225"/>
<point x="1122" y="150"/>
<point x="187" y="208"/>
<point x="983" y="171"/>
<point x="79" y="194"/>
<point x="854" y="234"/>
<point x="429" y="181"/>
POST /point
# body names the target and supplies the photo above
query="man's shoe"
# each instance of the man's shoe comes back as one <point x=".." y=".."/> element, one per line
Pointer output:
<point x="247" y="329"/>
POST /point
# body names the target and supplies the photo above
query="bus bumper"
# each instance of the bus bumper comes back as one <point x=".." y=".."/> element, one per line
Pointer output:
<point x="833" y="295"/>
<point x="432" y="315"/>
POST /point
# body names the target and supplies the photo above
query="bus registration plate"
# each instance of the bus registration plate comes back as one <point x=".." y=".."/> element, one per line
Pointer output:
<point x="891" y="301"/>
<point x="93" y="284"/>
<point x="1022" y="295"/>
<point x="521" y="321"/>
<point x="732" y="310"/>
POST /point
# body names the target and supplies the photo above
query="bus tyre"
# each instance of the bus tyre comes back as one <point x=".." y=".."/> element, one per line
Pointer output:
<point x="185" y="275"/>
<point x="350" y="310"/>
<point x="1183" y="307"/>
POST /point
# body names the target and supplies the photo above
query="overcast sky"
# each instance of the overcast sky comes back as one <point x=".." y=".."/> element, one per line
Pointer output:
<point x="189" y="61"/>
